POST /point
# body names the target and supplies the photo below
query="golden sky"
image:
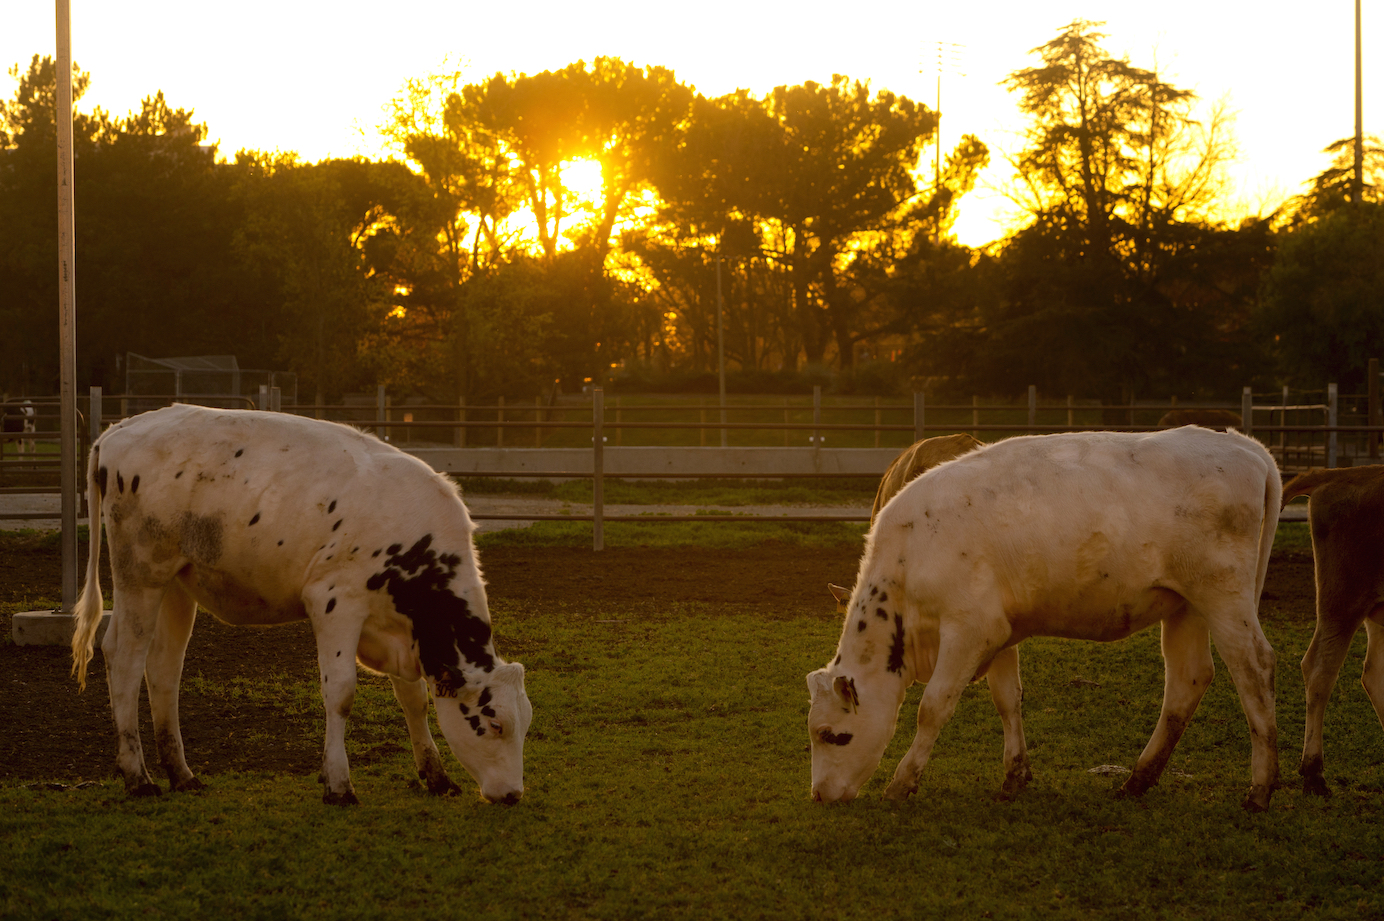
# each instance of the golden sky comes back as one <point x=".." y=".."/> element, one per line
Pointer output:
<point x="311" y="76"/>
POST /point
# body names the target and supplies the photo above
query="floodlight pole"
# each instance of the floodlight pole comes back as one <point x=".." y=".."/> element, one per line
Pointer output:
<point x="1358" y="181"/>
<point x="67" y="314"/>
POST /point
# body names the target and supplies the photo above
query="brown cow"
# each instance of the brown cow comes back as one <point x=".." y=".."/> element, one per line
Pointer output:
<point x="1347" y="519"/>
<point x="917" y="459"/>
<point x="1218" y="419"/>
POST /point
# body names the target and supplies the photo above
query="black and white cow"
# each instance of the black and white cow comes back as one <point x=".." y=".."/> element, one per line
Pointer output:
<point x="20" y="418"/>
<point x="1087" y="536"/>
<point x="267" y="518"/>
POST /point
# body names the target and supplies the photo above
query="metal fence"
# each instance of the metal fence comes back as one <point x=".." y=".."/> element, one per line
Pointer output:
<point x="1298" y="430"/>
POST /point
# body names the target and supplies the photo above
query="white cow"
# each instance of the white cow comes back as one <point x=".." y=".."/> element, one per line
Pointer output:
<point x="1089" y="536"/>
<point x="267" y="518"/>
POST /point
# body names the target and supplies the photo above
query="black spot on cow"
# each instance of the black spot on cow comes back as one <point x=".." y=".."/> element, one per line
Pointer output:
<point x="331" y="603"/>
<point x="177" y="475"/>
<point x="488" y="711"/>
<point x="101" y="476"/>
<point x="240" y="452"/>
<point x="838" y="659"/>
<point x="484" y="698"/>
<point x="119" y="482"/>
<point x="354" y="549"/>
<point x="419" y="581"/>
<point x="896" y="646"/>
<point x="464" y="709"/>
<point x="331" y="508"/>
<point x="475" y="722"/>
<point x="881" y="613"/>
<point x="338" y="524"/>
<point x="874" y="590"/>
<point x="860" y="626"/>
<point x="254" y="520"/>
<point x="883" y="597"/>
<point x="134" y="485"/>
<point x="338" y="653"/>
<point x="281" y="543"/>
<point x="375" y="554"/>
<point x="835" y="738"/>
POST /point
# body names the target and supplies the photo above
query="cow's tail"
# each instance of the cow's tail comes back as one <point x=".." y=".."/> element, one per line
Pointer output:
<point x="86" y="617"/>
<point x="1304" y="483"/>
<point x="1273" y="504"/>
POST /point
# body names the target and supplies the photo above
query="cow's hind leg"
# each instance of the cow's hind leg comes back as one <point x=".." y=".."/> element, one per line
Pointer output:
<point x="163" y="672"/>
<point x="1250" y="659"/>
<point x="958" y="660"/>
<point x="1321" y="665"/>
<point x="1008" y="694"/>
<point x="413" y="698"/>
<point x="125" y="648"/>
<point x="1188" y="670"/>
<point x="1373" y="676"/>
<point x="337" y="632"/>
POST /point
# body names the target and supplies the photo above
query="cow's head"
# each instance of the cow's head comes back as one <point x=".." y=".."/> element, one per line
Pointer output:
<point x="485" y="721"/>
<point x="850" y="722"/>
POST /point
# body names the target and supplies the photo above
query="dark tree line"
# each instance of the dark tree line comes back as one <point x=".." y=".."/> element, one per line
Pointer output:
<point x="468" y="265"/>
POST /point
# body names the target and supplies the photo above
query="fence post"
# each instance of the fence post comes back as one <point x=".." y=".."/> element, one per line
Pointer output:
<point x="1283" y="436"/>
<point x="877" y="422"/>
<point x="263" y="402"/>
<point x="919" y="415"/>
<point x="379" y="412"/>
<point x="785" y="421"/>
<point x="1331" y="395"/>
<point x="1374" y="407"/>
<point x="816" y="415"/>
<point x="275" y="400"/>
<point x="1071" y="412"/>
<point x="975" y="417"/>
<point x="94" y="414"/>
<point x="619" y="432"/>
<point x="597" y="469"/>
<point x="459" y="439"/>
<point x="1032" y="407"/>
<point x="537" y="420"/>
<point x="500" y="418"/>
<point x="1247" y="412"/>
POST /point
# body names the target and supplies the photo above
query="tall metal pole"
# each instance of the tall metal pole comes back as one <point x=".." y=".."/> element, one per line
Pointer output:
<point x="1357" y="188"/>
<point x="721" y="349"/>
<point x="67" y="314"/>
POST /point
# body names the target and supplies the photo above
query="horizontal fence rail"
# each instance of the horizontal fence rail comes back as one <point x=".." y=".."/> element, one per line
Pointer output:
<point x="1296" y="431"/>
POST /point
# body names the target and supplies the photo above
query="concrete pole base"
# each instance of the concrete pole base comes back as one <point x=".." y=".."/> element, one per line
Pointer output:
<point x="49" y="628"/>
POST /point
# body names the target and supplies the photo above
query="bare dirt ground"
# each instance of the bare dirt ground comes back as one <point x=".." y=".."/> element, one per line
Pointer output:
<point x="50" y="732"/>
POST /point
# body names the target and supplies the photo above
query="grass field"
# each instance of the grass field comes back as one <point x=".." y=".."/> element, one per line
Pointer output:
<point x="668" y="775"/>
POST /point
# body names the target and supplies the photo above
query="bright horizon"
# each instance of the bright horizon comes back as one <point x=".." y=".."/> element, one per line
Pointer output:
<point x="314" y="77"/>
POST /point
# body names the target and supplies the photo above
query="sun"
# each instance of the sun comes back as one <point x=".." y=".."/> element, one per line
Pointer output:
<point x="582" y="177"/>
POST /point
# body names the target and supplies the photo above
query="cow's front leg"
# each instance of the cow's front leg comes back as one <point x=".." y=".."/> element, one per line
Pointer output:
<point x="1008" y="694"/>
<point x="957" y="664"/>
<point x="1373" y="676"/>
<point x="338" y="634"/>
<point x="413" y="698"/>
<point x="125" y="647"/>
<point x="163" y="671"/>
<point x="1187" y="673"/>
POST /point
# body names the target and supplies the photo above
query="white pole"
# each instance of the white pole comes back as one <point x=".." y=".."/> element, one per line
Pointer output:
<point x="721" y="348"/>
<point x="67" y="313"/>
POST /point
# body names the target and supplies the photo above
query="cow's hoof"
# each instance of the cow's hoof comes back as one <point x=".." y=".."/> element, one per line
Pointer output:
<point x="145" y="789"/>
<point x="341" y="799"/>
<point x="442" y="786"/>
<point x="1133" y="788"/>
<point x="899" y="791"/>
<point x="1315" y="785"/>
<point x="191" y="785"/>
<point x="1014" y="784"/>
<point x="1258" y="799"/>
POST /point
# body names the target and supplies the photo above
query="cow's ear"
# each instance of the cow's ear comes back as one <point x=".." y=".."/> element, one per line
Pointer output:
<point x="839" y="592"/>
<point x="845" y="689"/>
<point x="818" y="684"/>
<point x="510" y="673"/>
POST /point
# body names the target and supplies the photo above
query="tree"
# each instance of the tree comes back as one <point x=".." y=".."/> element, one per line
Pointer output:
<point x="1109" y="290"/>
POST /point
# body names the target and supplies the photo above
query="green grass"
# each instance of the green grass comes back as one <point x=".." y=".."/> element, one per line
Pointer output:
<point x="667" y="777"/>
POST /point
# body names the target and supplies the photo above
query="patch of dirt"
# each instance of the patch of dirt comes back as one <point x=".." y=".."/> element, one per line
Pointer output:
<point x="51" y="732"/>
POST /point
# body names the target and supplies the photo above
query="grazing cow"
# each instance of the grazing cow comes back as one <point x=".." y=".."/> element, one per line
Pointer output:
<point x="267" y="518"/>
<point x="1347" y="520"/>
<point x="1216" y="419"/>
<point x="1088" y="536"/>
<point x="20" y="418"/>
